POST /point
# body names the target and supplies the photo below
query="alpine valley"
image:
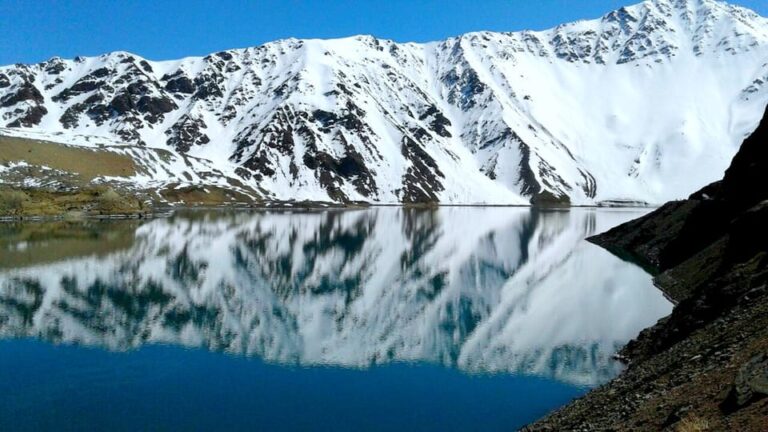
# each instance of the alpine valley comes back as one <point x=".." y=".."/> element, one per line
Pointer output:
<point x="643" y="105"/>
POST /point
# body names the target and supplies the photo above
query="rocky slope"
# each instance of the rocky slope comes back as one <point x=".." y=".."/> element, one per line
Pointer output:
<point x="641" y="105"/>
<point x="47" y="179"/>
<point x="707" y="363"/>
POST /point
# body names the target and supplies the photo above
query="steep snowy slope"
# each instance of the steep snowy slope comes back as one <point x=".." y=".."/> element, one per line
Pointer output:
<point x="643" y="104"/>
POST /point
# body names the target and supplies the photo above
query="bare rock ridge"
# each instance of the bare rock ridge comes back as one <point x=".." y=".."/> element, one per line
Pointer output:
<point x="707" y="361"/>
<point x="641" y="105"/>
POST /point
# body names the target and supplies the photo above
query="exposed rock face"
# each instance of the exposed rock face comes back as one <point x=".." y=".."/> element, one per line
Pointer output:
<point x="745" y="180"/>
<point x="179" y="83"/>
<point x="751" y="384"/>
<point x="422" y="180"/>
<point x="186" y="133"/>
<point x="25" y="93"/>
<point x="26" y="101"/>
<point x="709" y="355"/>
<point x="494" y="118"/>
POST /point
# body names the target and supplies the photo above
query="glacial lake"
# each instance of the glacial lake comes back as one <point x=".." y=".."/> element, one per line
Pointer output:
<point x="384" y="319"/>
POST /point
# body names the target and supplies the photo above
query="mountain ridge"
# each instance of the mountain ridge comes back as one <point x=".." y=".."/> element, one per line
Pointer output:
<point x="482" y="118"/>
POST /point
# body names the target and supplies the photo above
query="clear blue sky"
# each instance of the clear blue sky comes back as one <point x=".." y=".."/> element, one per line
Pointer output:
<point x="35" y="30"/>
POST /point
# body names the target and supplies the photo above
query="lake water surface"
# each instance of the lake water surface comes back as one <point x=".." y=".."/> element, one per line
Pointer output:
<point x="381" y="319"/>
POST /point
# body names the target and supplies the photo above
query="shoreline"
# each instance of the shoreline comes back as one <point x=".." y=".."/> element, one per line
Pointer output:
<point x="699" y="365"/>
<point x="169" y="210"/>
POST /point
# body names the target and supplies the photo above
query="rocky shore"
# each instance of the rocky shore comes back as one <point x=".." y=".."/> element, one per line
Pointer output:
<point x="704" y="367"/>
<point x="91" y="201"/>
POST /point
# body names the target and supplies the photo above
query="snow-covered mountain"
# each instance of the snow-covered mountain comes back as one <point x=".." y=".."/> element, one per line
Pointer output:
<point x="647" y="103"/>
<point x="480" y="289"/>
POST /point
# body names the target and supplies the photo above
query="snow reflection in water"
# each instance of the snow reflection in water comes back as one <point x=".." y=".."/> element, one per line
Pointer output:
<point x="478" y="289"/>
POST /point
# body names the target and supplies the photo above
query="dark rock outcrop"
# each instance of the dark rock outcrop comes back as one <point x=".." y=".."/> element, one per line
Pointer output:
<point x="438" y="122"/>
<point x="179" y="83"/>
<point x="32" y="117"/>
<point x="27" y="92"/>
<point x="187" y="132"/>
<point x="751" y="385"/>
<point x="421" y="181"/>
<point x="27" y="101"/>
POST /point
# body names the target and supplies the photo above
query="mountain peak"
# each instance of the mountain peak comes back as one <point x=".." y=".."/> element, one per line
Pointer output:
<point x="702" y="8"/>
<point x="658" y="30"/>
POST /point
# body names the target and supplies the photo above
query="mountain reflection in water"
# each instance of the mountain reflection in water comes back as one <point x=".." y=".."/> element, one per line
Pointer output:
<point x="478" y="289"/>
